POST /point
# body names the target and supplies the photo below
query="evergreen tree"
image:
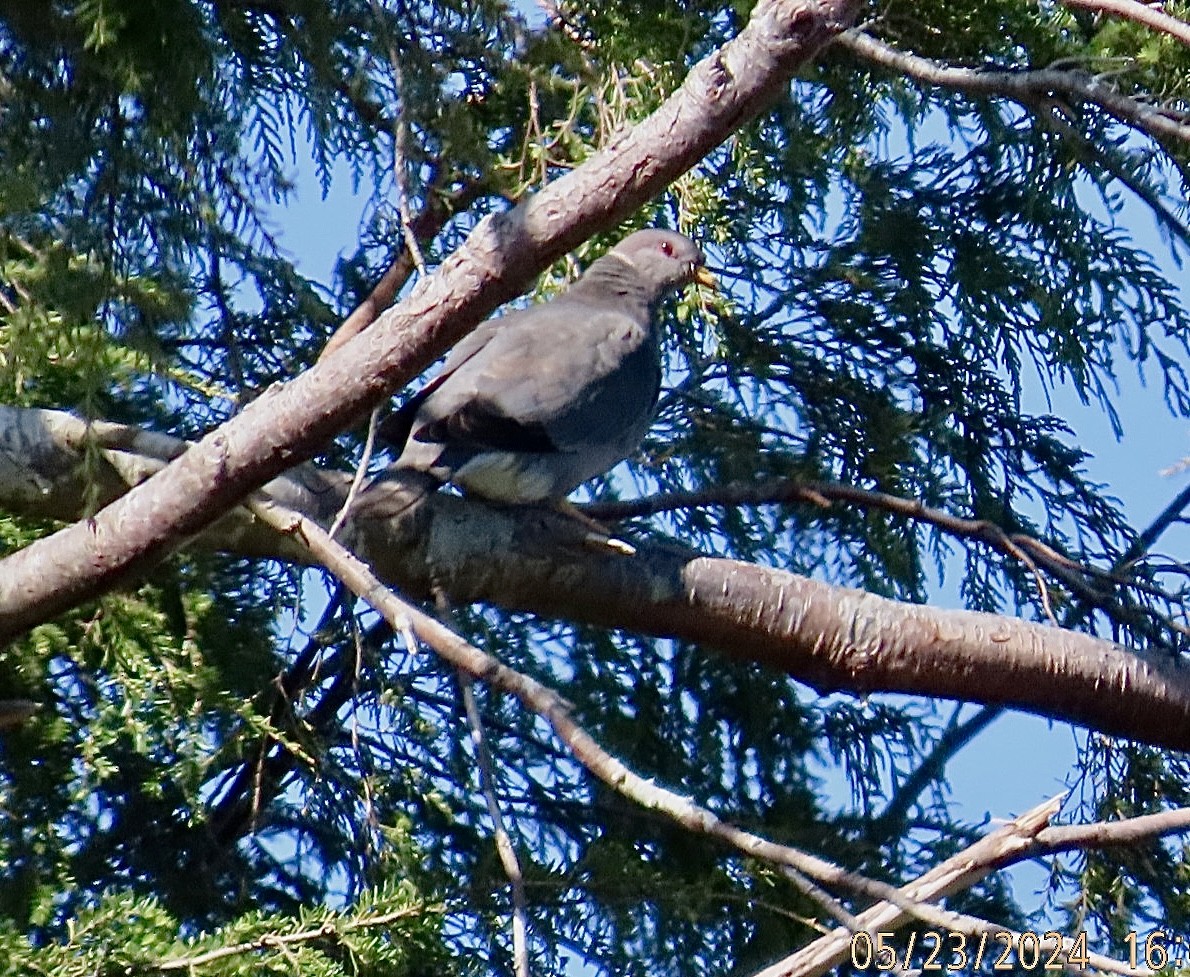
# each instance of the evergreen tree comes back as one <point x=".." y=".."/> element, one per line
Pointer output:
<point x="217" y="760"/>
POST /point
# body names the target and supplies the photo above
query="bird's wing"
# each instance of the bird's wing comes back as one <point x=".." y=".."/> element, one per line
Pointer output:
<point x="398" y="425"/>
<point x="548" y="378"/>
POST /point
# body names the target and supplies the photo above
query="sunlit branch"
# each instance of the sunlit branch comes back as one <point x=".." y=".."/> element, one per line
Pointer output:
<point x="1001" y="848"/>
<point x="1028" y="87"/>
<point x="555" y="710"/>
<point x="1032" y="553"/>
<point x="1141" y="13"/>
<point x="1012" y="843"/>
<point x="1110" y="834"/>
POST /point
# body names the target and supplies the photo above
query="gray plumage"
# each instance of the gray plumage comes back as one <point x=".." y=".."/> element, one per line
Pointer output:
<point x="536" y="402"/>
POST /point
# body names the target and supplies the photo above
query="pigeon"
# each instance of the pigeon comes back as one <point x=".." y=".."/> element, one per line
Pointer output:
<point x="535" y="402"/>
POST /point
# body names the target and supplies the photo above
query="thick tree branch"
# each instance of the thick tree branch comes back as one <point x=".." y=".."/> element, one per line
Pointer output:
<point x="551" y="707"/>
<point x="288" y="423"/>
<point x="42" y="474"/>
<point x="1014" y="842"/>
<point x="1094" y="587"/>
<point x="533" y="559"/>
<point x="897" y="906"/>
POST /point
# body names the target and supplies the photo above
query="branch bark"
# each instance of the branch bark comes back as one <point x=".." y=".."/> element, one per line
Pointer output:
<point x="289" y="422"/>
<point x="1031" y="88"/>
<point x="1141" y="13"/>
<point x="531" y="559"/>
<point x="1028" y="836"/>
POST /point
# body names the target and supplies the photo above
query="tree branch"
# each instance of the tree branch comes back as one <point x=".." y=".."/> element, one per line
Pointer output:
<point x="1029" y="88"/>
<point x="1140" y="13"/>
<point x="535" y="560"/>
<point x="1028" y="836"/>
<point x="289" y="422"/>
<point x="1110" y="834"/>
<point x="551" y="707"/>
<point x="1085" y="582"/>
<point x="890" y="823"/>
<point x="1015" y="842"/>
<point x="897" y="905"/>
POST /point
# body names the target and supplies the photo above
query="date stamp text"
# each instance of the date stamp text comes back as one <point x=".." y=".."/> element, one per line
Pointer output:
<point x="945" y="951"/>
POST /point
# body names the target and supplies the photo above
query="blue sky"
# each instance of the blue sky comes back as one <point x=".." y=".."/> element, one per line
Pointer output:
<point x="1020" y="760"/>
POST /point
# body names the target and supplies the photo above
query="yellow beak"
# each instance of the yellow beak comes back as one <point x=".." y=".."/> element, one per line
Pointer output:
<point x="704" y="277"/>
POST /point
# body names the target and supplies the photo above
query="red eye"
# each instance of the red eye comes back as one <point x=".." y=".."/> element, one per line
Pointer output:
<point x="667" y="249"/>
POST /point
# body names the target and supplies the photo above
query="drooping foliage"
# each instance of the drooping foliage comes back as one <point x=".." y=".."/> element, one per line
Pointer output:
<point x="229" y="749"/>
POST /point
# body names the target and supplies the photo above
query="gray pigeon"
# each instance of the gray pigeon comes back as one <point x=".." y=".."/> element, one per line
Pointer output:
<point x="536" y="402"/>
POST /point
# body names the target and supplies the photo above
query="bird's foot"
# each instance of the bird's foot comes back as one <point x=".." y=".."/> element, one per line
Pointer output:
<point x="601" y="541"/>
<point x="598" y="536"/>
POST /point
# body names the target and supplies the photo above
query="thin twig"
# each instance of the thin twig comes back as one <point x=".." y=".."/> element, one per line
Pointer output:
<point x="775" y="491"/>
<point x="1032" y="553"/>
<point x="816" y="894"/>
<point x="361" y="471"/>
<point x="956" y="735"/>
<point x="401" y="169"/>
<point x="1026" y="87"/>
<point x="438" y="211"/>
<point x="275" y="941"/>
<point x="504" y="846"/>
<point x="505" y="849"/>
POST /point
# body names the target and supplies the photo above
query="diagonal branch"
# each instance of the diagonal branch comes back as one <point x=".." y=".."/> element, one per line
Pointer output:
<point x="548" y="704"/>
<point x="1141" y="13"/>
<point x="897" y="906"/>
<point x="1026" y="837"/>
<point x="890" y="823"/>
<point x="1029" y="88"/>
<point x="530" y="559"/>
<point x="545" y="702"/>
<point x="289" y="422"/>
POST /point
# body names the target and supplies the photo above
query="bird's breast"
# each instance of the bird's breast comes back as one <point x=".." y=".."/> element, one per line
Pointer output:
<point x="509" y="477"/>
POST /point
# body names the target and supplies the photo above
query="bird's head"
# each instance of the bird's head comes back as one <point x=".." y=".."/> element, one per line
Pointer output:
<point x="664" y="259"/>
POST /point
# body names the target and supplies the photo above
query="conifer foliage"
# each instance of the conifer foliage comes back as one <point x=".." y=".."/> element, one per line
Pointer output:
<point x="230" y="764"/>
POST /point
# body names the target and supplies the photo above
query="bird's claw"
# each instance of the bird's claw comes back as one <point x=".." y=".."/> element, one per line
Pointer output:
<point x="602" y="542"/>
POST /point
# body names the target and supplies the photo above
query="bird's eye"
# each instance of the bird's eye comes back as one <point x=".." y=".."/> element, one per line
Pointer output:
<point x="667" y="249"/>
